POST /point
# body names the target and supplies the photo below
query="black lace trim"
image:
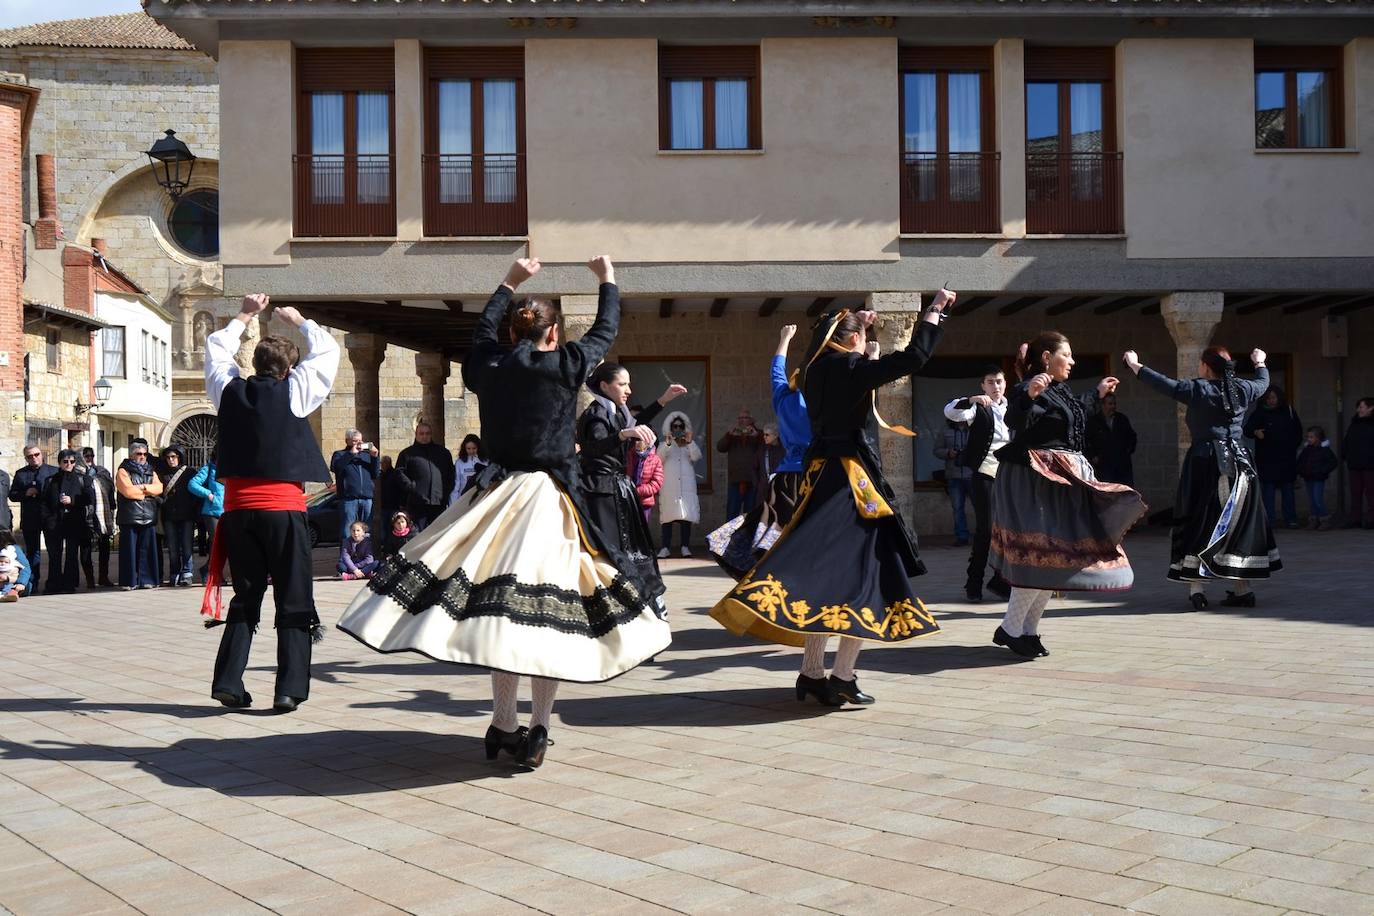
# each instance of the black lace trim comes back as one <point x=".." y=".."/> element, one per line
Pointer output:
<point x="416" y="588"/>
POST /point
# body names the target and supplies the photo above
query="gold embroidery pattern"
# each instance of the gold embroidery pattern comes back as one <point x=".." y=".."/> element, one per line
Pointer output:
<point x="769" y="599"/>
<point x="867" y="499"/>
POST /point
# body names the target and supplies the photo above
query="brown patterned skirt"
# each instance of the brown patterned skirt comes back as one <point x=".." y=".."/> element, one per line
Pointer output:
<point x="1056" y="526"/>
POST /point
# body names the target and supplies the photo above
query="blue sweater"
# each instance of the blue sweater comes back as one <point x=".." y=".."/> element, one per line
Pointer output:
<point x="205" y="482"/>
<point x="794" y="426"/>
<point x="354" y="473"/>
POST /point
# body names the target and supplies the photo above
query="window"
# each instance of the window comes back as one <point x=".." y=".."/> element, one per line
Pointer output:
<point x="53" y="339"/>
<point x="164" y="364"/>
<point x="345" y="184"/>
<point x="47" y="438"/>
<point x="1298" y="98"/>
<point x="949" y="171"/>
<point x="474" y="161"/>
<point x="112" y="352"/>
<point x="194" y="223"/>
<point x="1073" y="170"/>
<point x="709" y="98"/>
<point x="650" y="372"/>
<point x="147" y="364"/>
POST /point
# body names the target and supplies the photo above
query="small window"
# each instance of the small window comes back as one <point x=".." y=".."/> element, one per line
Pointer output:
<point x="147" y="364"/>
<point x="112" y="353"/>
<point x="1299" y="102"/>
<point x="164" y="364"/>
<point x="54" y="349"/>
<point x="194" y="223"/>
<point x="709" y="98"/>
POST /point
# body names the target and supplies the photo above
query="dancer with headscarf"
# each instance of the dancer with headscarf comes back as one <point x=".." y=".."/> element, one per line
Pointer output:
<point x="1221" y="529"/>
<point x="843" y="565"/>
<point x="1055" y="526"/>
<point x="743" y="540"/>
<point x="514" y="577"/>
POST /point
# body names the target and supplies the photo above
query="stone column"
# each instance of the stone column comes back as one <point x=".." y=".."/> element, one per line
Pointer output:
<point x="409" y="100"/>
<point x="1191" y="319"/>
<point x="365" y="355"/>
<point x="579" y="313"/>
<point x="897" y="317"/>
<point x="433" y="369"/>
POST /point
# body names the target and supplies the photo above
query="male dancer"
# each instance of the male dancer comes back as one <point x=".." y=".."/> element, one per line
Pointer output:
<point x="266" y="451"/>
<point x="986" y="415"/>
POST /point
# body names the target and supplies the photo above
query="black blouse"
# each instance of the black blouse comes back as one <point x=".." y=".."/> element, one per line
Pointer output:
<point x="603" y="451"/>
<point x="1058" y="419"/>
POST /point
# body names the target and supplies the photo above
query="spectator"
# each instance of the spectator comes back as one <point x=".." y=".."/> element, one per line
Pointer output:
<point x="645" y="470"/>
<point x="471" y="459"/>
<point x="1277" y="432"/>
<point x="390" y="489"/>
<point x="178" y="512"/>
<point x="27" y="490"/>
<point x="64" y="523"/>
<point x="356" y="560"/>
<point x="1358" y="452"/>
<point x="100" y="503"/>
<point x="677" y="500"/>
<point x="398" y="534"/>
<point x="740" y="445"/>
<point x="137" y="488"/>
<point x="1316" y="461"/>
<point x="771" y="454"/>
<point x="207" y="486"/>
<point x="424" y="471"/>
<point x="14" y="567"/>
<point x="356" y="469"/>
<point x="958" y="478"/>
<point x="1111" y="442"/>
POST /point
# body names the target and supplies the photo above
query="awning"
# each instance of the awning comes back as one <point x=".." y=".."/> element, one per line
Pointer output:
<point x="60" y="314"/>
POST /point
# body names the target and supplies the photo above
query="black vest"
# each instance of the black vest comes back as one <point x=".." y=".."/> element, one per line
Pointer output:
<point x="980" y="432"/>
<point x="260" y="437"/>
<point x="137" y="511"/>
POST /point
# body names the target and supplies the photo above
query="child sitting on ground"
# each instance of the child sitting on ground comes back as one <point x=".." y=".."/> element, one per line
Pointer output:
<point x="355" y="555"/>
<point x="398" y="536"/>
<point x="10" y="566"/>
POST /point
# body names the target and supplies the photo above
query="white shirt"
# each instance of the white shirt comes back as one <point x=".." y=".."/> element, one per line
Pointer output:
<point x="1000" y="435"/>
<point x="308" y="382"/>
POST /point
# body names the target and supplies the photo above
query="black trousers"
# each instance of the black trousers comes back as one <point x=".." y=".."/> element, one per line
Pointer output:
<point x="263" y="544"/>
<point x="64" y="557"/>
<point x="981" y="491"/>
<point x="99" y="545"/>
<point x="33" y="548"/>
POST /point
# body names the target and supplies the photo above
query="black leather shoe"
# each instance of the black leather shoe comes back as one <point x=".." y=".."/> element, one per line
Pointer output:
<point x="1199" y="601"/>
<point x="999" y="587"/>
<point x="512" y="743"/>
<point x="1016" y="644"/>
<point x="849" y="692"/>
<point x="1033" y="639"/>
<point x="973" y="593"/>
<point x="819" y="688"/>
<point x="1234" y="600"/>
<point x="232" y="700"/>
<point x="536" y="743"/>
<point x="283" y="703"/>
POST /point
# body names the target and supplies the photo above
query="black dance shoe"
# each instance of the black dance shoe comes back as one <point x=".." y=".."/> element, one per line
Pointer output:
<point x="1199" y="601"/>
<point x="512" y="743"/>
<point x="818" y="687"/>
<point x="1234" y="600"/>
<point x="999" y="587"/>
<point x="1017" y="644"/>
<point x="233" y="700"/>
<point x="849" y="692"/>
<point x="973" y="592"/>
<point x="283" y="703"/>
<point x="1033" y="639"/>
<point x="536" y="743"/>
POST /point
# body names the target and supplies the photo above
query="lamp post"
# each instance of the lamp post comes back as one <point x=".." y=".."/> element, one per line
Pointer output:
<point x="103" y="388"/>
<point x="172" y="163"/>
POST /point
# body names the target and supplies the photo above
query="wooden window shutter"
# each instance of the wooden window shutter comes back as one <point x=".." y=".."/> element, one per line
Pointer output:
<point x="499" y="62"/>
<point x="706" y="62"/>
<point x="1070" y="63"/>
<point x="346" y="69"/>
<point x="914" y="57"/>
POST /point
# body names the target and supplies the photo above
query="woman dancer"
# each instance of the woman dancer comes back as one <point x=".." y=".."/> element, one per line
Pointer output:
<point x="1055" y="526"/>
<point x="1221" y="530"/>
<point x="512" y="577"/>
<point x="742" y="541"/>
<point x="678" y="504"/>
<point x="843" y="565"/>
<point x="605" y="432"/>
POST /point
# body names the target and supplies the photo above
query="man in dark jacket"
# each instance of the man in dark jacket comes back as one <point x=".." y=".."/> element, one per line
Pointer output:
<point x="355" y="468"/>
<point x="64" y="523"/>
<point x="740" y="446"/>
<point x="1277" y="432"/>
<point x="424" y="471"/>
<point x="27" y="490"/>
<point x="1111" y="443"/>
<point x="100" y="503"/>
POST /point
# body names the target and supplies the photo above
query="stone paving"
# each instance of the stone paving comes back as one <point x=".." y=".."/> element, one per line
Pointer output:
<point x="1159" y="761"/>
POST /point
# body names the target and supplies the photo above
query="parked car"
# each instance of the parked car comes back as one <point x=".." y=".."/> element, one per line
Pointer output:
<point x="324" y="515"/>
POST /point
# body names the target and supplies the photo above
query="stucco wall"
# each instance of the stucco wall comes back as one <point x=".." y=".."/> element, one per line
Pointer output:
<point x="1196" y="187"/>
<point x="258" y="127"/>
<point x="52" y="394"/>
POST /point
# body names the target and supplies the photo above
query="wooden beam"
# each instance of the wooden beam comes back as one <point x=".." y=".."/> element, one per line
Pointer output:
<point x="718" y="307"/>
<point x="1319" y="302"/>
<point x="1240" y="302"/>
<point x="1018" y="305"/>
<point x="769" y="306"/>
<point x="972" y="303"/>
<point x="1265" y="303"/>
<point x="1116" y="305"/>
<point x="819" y="306"/>
<point x="665" y="308"/>
<point x="1071" y="303"/>
<point x="1355" y="305"/>
<point x="1152" y="309"/>
<point x="454" y="305"/>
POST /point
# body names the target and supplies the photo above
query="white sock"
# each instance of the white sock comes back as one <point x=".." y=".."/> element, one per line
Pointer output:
<point x="1014" y="621"/>
<point x="1195" y="588"/>
<point x="1032" y="625"/>
<point x="845" y="657"/>
<point x="504" y="688"/>
<point x="1242" y="587"/>
<point x="813" y="657"/>
<point x="544" y="690"/>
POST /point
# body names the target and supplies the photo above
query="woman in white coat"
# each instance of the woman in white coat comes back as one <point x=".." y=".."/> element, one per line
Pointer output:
<point x="677" y="501"/>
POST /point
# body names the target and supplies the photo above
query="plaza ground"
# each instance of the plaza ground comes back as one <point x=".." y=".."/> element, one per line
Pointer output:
<point x="1160" y="761"/>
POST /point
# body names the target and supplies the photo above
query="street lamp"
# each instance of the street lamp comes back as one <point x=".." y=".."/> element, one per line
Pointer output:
<point x="102" y="394"/>
<point x="172" y="163"/>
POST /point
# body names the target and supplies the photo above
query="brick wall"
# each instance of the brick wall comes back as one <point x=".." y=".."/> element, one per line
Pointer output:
<point x="11" y="271"/>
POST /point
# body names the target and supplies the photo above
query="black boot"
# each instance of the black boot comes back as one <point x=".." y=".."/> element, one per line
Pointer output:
<point x="512" y="743"/>
<point x="1199" y="601"/>
<point x="819" y="688"/>
<point x="849" y="692"/>
<point x="1017" y="644"/>
<point x="536" y="743"/>
<point x="1234" y="600"/>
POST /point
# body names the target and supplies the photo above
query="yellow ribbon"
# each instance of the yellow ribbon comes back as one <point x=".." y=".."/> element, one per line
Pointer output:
<point x="867" y="499"/>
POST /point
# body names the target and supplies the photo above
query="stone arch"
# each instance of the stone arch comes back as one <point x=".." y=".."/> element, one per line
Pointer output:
<point x="195" y="433"/>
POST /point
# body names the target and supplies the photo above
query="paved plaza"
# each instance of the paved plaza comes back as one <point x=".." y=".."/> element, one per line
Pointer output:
<point x="1159" y="762"/>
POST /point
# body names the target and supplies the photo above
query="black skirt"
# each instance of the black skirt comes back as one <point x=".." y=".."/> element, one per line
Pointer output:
<point x="743" y="540"/>
<point x="836" y="570"/>
<point x="1221" y="530"/>
<point x="613" y="508"/>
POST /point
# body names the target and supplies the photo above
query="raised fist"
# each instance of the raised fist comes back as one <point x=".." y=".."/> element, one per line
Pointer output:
<point x="289" y="314"/>
<point x="1038" y="383"/>
<point x="603" y="268"/>
<point x="1257" y="356"/>
<point x="944" y="300"/>
<point x="522" y="270"/>
<point x="1107" y="386"/>
<point x="787" y="333"/>
<point x="1132" y="360"/>
<point x="253" y="303"/>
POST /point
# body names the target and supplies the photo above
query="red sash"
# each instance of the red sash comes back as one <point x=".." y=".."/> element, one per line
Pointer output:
<point x="244" y="493"/>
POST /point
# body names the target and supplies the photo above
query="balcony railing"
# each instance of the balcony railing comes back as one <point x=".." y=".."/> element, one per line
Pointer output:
<point x="1074" y="193"/>
<point x="345" y="195"/>
<point x="950" y="192"/>
<point x="475" y="194"/>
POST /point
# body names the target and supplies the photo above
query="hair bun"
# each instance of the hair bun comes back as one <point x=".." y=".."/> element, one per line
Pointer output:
<point x="523" y="319"/>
